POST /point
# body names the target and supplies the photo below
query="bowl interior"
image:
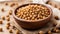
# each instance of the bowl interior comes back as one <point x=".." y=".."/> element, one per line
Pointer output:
<point x="31" y="20"/>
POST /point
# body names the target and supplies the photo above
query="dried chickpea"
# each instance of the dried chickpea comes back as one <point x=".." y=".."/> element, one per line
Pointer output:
<point x="8" y="18"/>
<point x="18" y="15"/>
<point x="56" y="17"/>
<point x="10" y="12"/>
<point x="3" y="17"/>
<point x="1" y="22"/>
<point x="17" y="31"/>
<point x="6" y="4"/>
<point x="13" y="4"/>
<point x="47" y="2"/>
<point x="56" y="6"/>
<point x="17" y="4"/>
<point x="33" y="12"/>
<point x="10" y="31"/>
<point x="54" y="29"/>
<point x="43" y="16"/>
<point x="25" y="18"/>
<point x="8" y="23"/>
<point x="7" y="26"/>
<point x="57" y="30"/>
<point x="50" y="3"/>
<point x="13" y="27"/>
<point x="2" y="10"/>
<point x="49" y="32"/>
<point x="41" y="32"/>
<point x="1" y="30"/>
<point x="59" y="8"/>
<point x="54" y="24"/>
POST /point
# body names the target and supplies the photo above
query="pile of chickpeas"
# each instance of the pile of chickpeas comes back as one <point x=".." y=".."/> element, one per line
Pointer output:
<point x="10" y="28"/>
<point x="33" y="12"/>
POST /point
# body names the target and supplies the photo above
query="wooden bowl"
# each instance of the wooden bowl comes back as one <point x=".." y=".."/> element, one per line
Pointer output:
<point x="32" y="24"/>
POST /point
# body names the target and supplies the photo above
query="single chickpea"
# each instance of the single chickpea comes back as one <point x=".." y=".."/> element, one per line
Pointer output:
<point x="10" y="12"/>
<point x="3" y="17"/>
<point x="49" y="32"/>
<point x="1" y="30"/>
<point x="17" y="31"/>
<point x="10" y="31"/>
<point x="41" y="32"/>
<point x="8" y="18"/>
<point x="13" y="4"/>
<point x="7" y="26"/>
<point x="2" y="10"/>
<point x="1" y="22"/>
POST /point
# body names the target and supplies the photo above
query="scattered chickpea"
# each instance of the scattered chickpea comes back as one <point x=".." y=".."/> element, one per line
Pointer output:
<point x="41" y="32"/>
<point x="47" y="2"/>
<point x="54" y="29"/>
<point x="10" y="12"/>
<point x="13" y="27"/>
<point x="1" y="30"/>
<point x="6" y="4"/>
<point x="1" y="22"/>
<point x="13" y="4"/>
<point x="8" y="23"/>
<point x="54" y="24"/>
<point x="50" y="3"/>
<point x="56" y="17"/>
<point x="10" y="31"/>
<point x="3" y="17"/>
<point x="7" y="26"/>
<point x="2" y="10"/>
<point x="17" y="31"/>
<point x="8" y="18"/>
<point x="57" y="30"/>
<point x="49" y="32"/>
<point x="55" y="6"/>
<point x="59" y="8"/>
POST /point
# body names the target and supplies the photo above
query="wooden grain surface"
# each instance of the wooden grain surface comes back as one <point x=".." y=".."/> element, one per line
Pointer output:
<point x="56" y="12"/>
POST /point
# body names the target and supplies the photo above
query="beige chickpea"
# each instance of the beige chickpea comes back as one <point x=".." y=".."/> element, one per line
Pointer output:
<point x="17" y="31"/>
<point x="1" y="22"/>
<point x="13" y="27"/>
<point x="13" y="4"/>
<point x="59" y="8"/>
<point x="49" y="32"/>
<point x="32" y="18"/>
<point x="8" y="18"/>
<point x="25" y="18"/>
<point x="3" y="17"/>
<point x="1" y="30"/>
<point x="56" y="17"/>
<point x="41" y="17"/>
<point x="2" y="10"/>
<point x="41" y="32"/>
<point x="10" y="31"/>
<point x="57" y="30"/>
<point x="7" y="15"/>
<point x="10" y="12"/>
<point x="6" y="4"/>
<point x="7" y="26"/>
<point x="8" y="23"/>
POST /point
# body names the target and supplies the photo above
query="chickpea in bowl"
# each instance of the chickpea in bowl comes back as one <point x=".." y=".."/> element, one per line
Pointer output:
<point x="32" y="15"/>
